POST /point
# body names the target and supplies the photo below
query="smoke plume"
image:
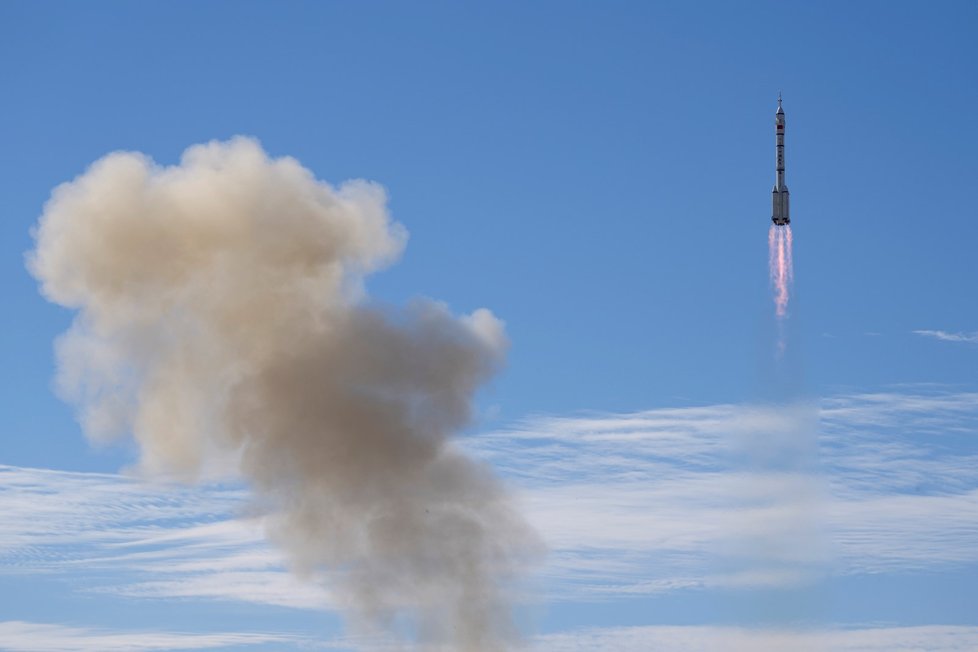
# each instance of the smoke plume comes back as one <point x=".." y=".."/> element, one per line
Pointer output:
<point x="222" y="323"/>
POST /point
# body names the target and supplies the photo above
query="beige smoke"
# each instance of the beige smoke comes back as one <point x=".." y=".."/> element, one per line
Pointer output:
<point x="222" y="323"/>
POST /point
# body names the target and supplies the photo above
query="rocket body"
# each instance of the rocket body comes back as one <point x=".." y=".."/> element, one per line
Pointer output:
<point x="779" y="196"/>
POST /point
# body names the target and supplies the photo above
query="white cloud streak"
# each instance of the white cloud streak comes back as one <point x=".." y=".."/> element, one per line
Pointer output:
<point x="20" y="636"/>
<point x="947" y="336"/>
<point x="676" y="498"/>
<point x="113" y="534"/>
<point x="733" y="639"/>
<point x="651" y="502"/>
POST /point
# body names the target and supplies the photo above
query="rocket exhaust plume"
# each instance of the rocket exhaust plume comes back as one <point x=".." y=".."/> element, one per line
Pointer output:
<point x="780" y="266"/>
<point x="222" y="322"/>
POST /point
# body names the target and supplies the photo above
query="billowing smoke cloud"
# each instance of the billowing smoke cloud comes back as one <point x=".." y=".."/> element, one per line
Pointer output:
<point x="222" y="323"/>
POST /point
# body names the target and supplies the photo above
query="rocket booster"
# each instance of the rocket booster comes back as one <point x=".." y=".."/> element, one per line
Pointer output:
<point x="779" y="214"/>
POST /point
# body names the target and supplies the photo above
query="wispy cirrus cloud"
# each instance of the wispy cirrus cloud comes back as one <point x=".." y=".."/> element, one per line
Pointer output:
<point x="947" y="336"/>
<point x="20" y="636"/>
<point x="735" y="639"/>
<point x="659" y="500"/>
<point x="111" y="534"/>
<point x="629" y="504"/>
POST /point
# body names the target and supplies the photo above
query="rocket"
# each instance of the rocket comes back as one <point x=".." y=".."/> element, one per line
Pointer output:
<point x="779" y="196"/>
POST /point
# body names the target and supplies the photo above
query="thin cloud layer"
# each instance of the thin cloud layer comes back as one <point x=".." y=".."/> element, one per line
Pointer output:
<point x="734" y="639"/>
<point x="651" y="502"/>
<point x="629" y="505"/>
<point x="20" y="636"/>
<point x="947" y="336"/>
<point x="126" y="537"/>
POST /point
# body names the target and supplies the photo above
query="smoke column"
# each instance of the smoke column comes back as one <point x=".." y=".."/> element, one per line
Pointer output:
<point x="222" y="323"/>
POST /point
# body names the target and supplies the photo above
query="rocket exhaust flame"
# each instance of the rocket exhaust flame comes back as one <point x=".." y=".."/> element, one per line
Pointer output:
<point x="780" y="266"/>
<point x="787" y="255"/>
<point x="223" y="324"/>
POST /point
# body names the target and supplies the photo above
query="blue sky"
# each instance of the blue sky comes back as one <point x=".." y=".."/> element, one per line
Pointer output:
<point x="598" y="176"/>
